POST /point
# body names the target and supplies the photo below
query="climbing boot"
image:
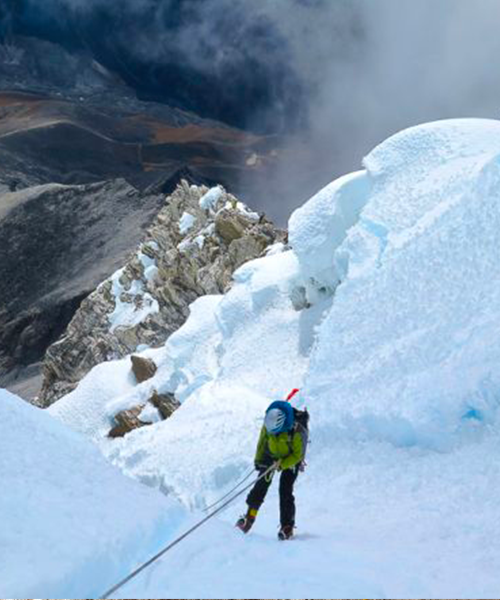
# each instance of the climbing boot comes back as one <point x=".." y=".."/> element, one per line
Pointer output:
<point x="286" y="532"/>
<point x="245" y="522"/>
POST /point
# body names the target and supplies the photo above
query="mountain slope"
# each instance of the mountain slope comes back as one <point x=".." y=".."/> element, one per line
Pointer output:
<point x="57" y="242"/>
<point x="385" y="311"/>
<point x="64" y="139"/>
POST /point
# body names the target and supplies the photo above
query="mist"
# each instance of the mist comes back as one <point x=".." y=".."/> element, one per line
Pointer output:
<point x="381" y="67"/>
<point x="335" y="76"/>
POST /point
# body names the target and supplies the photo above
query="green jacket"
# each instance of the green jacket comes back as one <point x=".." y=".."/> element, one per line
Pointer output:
<point x="286" y="446"/>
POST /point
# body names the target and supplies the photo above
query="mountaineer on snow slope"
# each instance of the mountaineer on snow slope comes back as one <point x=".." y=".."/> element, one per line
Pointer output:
<point x="282" y="446"/>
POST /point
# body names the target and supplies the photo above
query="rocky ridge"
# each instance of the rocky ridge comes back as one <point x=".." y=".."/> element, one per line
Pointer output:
<point x="197" y="241"/>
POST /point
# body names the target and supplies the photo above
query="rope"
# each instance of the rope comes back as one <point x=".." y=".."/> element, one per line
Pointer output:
<point x="120" y="584"/>
<point x="230" y="491"/>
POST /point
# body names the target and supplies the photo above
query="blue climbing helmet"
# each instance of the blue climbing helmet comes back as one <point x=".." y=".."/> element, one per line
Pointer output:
<point x="279" y="417"/>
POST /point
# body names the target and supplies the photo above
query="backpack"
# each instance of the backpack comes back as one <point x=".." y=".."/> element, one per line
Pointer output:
<point x="301" y="426"/>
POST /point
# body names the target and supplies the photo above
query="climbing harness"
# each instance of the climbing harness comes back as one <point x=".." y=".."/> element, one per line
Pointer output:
<point x="154" y="558"/>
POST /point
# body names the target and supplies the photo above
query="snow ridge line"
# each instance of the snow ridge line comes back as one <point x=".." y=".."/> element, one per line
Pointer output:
<point x="159" y="554"/>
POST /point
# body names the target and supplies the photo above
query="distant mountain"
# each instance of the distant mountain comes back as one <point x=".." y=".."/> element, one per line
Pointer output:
<point x="84" y="168"/>
<point x="213" y="58"/>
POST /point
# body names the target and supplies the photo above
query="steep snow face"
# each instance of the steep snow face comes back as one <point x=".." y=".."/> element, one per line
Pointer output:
<point x="222" y="365"/>
<point x="409" y="349"/>
<point x="373" y="521"/>
<point x="71" y="523"/>
<point x="255" y="349"/>
<point x="318" y="228"/>
<point x="398" y="270"/>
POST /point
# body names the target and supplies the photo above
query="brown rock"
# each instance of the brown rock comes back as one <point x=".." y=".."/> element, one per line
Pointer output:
<point x="126" y="421"/>
<point x="165" y="403"/>
<point x="143" y="368"/>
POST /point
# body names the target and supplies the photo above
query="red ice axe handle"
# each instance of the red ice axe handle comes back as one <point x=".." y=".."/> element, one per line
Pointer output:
<point x="292" y="394"/>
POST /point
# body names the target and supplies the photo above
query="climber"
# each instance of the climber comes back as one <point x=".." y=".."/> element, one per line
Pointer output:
<point x="282" y="443"/>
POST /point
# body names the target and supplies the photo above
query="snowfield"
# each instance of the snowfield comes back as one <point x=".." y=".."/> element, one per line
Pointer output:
<point x="385" y="311"/>
<point x="71" y="523"/>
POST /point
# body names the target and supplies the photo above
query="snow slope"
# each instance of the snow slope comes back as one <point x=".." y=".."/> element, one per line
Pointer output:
<point x="386" y="312"/>
<point x="71" y="523"/>
<point x="374" y="521"/>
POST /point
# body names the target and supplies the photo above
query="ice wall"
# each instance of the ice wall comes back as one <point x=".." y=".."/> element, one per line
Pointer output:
<point x="410" y="349"/>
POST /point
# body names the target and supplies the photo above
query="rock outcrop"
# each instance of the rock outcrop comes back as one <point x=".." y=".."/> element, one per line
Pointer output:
<point x="126" y="421"/>
<point x="141" y="415"/>
<point x="197" y="241"/>
<point x="165" y="403"/>
<point x="158" y="407"/>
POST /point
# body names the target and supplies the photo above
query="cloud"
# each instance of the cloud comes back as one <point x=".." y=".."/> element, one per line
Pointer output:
<point x="344" y="74"/>
<point x="373" y="68"/>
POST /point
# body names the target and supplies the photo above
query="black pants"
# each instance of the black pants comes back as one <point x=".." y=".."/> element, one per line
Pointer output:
<point x="287" y="500"/>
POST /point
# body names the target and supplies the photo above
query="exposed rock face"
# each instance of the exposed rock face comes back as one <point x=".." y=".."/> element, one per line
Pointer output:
<point x="138" y="416"/>
<point x="193" y="247"/>
<point x="57" y="242"/>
